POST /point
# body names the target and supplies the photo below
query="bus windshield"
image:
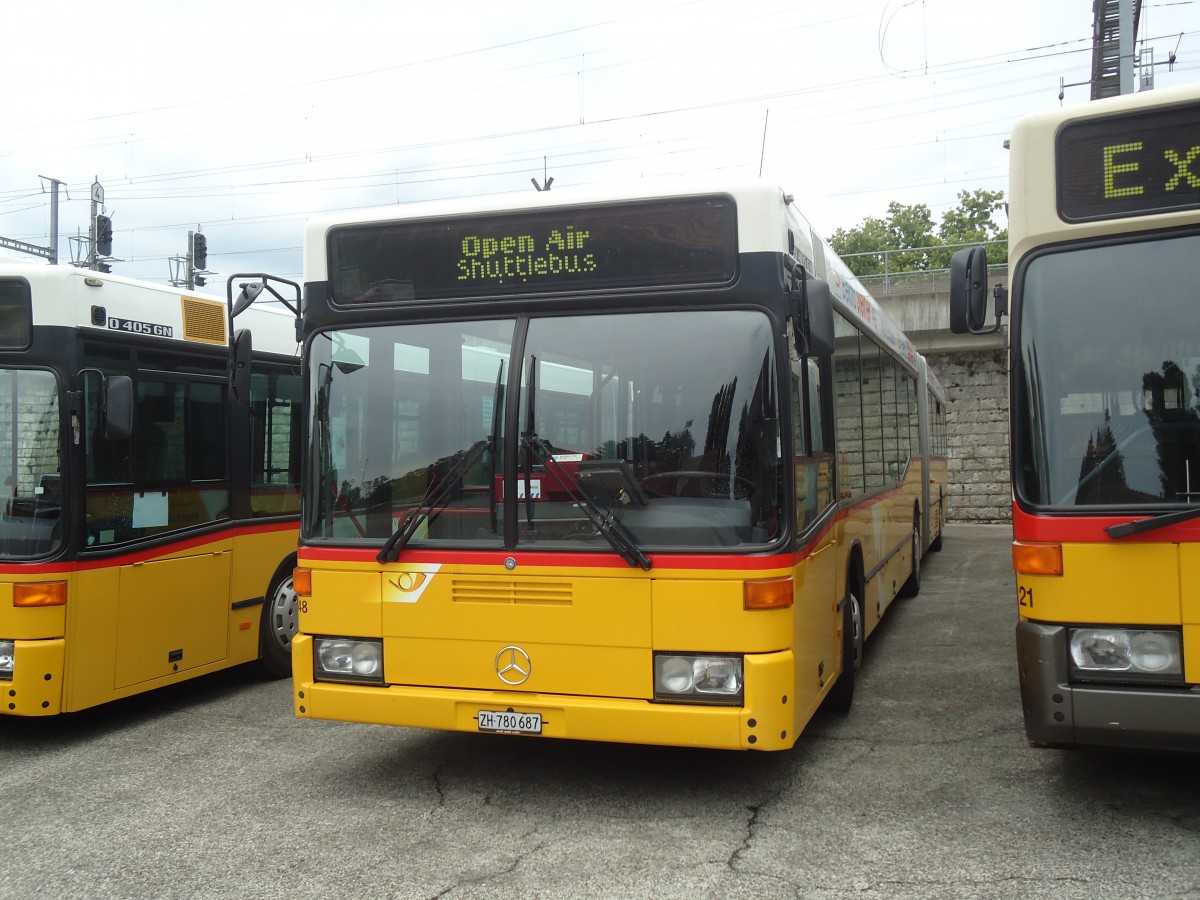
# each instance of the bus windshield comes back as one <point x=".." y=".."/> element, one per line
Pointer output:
<point x="1110" y="348"/>
<point x="665" y="424"/>
<point x="30" y="457"/>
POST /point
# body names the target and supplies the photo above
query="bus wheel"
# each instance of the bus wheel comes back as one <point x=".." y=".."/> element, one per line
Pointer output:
<point x="912" y="586"/>
<point x="841" y="695"/>
<point x="278" y="627"/>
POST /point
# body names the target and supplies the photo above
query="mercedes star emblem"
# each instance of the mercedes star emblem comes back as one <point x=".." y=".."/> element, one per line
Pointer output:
<point x="513" y="665"/>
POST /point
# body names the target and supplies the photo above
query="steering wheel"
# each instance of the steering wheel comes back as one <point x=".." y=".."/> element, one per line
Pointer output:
<point x="714" y="484"/>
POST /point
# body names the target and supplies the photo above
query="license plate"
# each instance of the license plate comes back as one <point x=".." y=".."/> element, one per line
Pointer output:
<point x="510" y="722"/>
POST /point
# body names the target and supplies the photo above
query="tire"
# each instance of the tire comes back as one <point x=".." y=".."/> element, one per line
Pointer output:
<point x="841" y="696"/>
<point x="912" y="586"/>
<point x="278" y="626"/>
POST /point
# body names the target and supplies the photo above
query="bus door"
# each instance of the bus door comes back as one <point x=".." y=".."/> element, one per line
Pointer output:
<point x="816" y="646"/>
<point x="165" y="604"/>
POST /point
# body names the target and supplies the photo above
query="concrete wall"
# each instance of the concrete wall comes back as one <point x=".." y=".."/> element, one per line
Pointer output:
<point x="972" y="369"/>
<point x="977" y="422"/>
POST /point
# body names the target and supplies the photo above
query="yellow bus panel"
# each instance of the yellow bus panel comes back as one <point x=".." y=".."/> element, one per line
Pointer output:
<point x="342" y="603"/>
<point x="595" y="670"/>
<point x="685" y="613"/>
<point x="1138" y="586"/>
<point x="173" y="615"/>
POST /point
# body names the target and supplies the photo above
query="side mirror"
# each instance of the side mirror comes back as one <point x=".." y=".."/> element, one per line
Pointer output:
<point x="816" y="318"/>
<point x="245" y="298"/>
<point x="968" y="293"/>
<point x="117" y="407"/>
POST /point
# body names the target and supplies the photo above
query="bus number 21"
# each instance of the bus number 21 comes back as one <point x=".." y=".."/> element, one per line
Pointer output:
<point x="1025" y="597"/>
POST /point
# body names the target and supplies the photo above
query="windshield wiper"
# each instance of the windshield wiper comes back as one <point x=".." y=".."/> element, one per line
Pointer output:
<point x="606" y="524"/>
<point x="434" y="498"/>
<point x="1141" y="526"/>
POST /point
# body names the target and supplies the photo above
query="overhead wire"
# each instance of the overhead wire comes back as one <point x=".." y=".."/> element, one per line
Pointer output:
<point x="947" y="71"/>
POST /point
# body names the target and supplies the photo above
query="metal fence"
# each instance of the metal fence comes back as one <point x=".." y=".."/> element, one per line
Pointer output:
<point x="898" y="276"/>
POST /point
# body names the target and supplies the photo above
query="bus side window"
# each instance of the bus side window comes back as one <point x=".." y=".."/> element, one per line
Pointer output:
<point x="814" y="465"/>
<point x="107" y="460"/>
<point x="151" y="443"/>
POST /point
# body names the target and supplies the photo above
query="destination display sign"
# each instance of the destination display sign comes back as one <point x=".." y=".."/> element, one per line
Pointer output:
<point x="677" y="242"/>
<point x="1128" y="165"/>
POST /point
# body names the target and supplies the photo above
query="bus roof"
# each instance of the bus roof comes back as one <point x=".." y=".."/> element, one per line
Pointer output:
<point x="67" y="296"/>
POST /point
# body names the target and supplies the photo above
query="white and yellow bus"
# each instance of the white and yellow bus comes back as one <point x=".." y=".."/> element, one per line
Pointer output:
<point x="643" y="466"/>
<point x="1104" y="250"/>
<point x="151" y="499"/>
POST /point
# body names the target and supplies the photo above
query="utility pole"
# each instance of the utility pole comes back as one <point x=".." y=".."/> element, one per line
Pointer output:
<point x="189" y="271"/>
<point x="54" y="185"/>
<point x="1125" y="45"/>
<point x="95" y="250"/>
<point x="100" y="227"/>
<point x="51" y="252"/>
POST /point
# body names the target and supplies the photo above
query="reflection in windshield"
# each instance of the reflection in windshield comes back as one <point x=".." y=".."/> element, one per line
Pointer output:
<point x="29" y="457"/>
<point x="665" y="425"/>
<point x="1110" y="344"/>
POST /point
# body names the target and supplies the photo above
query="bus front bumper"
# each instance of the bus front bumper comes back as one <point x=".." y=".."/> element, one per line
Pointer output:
<point x="35" y="688"/>
<point x="765" y="722"/>
<point x="1059" y="713"/>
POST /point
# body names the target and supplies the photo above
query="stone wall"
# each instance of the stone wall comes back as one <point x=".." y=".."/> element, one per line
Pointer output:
<point x="977" y="423"/>
<point x="972" y="370"/>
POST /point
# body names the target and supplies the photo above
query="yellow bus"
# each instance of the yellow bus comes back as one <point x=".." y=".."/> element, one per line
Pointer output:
<point x="151" y="507"/>
<point x="1104" y="250"/>
<point x="641" y="465"/>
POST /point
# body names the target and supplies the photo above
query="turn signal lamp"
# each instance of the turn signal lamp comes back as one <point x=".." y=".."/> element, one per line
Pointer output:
<point x="1037" y="559"/>
<point x="773" y="593"/>
<point x="40" y="593"/>
<point x="302" y="582"/>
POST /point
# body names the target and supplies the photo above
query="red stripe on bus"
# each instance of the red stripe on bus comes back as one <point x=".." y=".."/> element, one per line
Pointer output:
<point x="1085" y="529"/>
<point x="599" y="560"/>
<point x="570" y="560"/>
<point x="136" y="556"/>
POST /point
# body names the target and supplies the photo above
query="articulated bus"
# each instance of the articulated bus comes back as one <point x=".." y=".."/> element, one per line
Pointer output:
<point x="1104" y="250"/>
<point x="151" y="501"/>
<point x="643" y="467"/>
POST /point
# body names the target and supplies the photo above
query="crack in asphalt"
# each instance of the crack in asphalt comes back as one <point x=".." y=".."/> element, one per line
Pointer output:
<point x="484" y="878"/>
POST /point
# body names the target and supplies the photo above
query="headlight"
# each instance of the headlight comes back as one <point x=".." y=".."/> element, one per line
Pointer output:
<point x="698" y="679"/>
<point x="348" y="659"/>
<point x="1126" y="654"/>
<point x="7" y="651"/>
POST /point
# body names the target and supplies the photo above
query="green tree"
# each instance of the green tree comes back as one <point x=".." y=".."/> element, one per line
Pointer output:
<point x="906" y="232"/>
<point x="972" y="222"/>
<point x="914" y="243"/>
<point x="863" y="244"/>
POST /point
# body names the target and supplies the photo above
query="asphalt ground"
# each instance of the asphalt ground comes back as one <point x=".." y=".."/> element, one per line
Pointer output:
<point x="927" y="788"/>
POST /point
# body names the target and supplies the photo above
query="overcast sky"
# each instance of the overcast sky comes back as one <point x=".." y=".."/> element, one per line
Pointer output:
<point x="244" y="117"/>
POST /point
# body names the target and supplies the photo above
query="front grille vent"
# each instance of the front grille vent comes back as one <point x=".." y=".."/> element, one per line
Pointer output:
<point x="534" y="593"/>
